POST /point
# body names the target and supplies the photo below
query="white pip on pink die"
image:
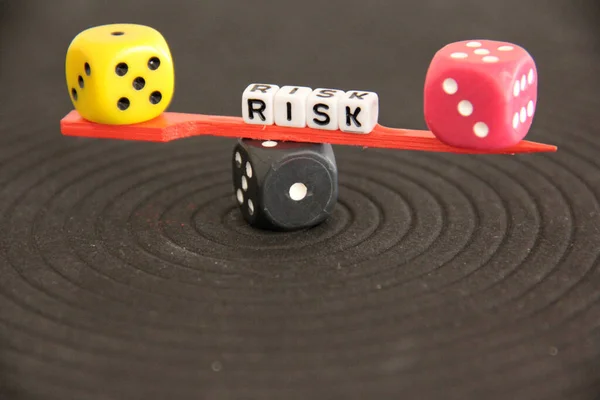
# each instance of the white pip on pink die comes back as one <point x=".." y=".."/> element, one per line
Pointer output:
<point x="480" y="94"/>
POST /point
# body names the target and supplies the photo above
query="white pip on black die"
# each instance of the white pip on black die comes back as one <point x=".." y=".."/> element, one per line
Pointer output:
<point x="289" y="185"/>
<point x="244" y="183"/>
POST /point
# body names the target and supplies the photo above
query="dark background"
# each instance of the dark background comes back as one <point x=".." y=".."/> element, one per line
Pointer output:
<point x="126" y="271"/>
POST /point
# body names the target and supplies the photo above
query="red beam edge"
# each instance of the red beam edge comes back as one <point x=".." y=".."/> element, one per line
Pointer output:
<point x="171" y="126"/>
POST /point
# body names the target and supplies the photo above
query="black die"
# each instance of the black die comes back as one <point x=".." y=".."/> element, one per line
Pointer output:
<point x="284" y="185"/>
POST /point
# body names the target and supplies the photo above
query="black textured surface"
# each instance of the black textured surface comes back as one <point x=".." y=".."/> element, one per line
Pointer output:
<point x="127" y="272"/>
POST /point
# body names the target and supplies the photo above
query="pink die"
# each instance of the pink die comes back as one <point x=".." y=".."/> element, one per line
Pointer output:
<point x="480" y="94"/>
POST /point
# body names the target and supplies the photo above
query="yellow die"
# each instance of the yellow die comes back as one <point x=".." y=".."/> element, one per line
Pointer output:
<point x="120" y="74"/>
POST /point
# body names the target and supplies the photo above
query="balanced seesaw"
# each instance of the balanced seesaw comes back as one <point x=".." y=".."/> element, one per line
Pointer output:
<point x="479" y="98"/>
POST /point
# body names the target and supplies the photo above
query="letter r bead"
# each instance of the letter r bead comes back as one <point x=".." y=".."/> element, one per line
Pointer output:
<point x="258" y="102"/>
<point x="358" y="111"/>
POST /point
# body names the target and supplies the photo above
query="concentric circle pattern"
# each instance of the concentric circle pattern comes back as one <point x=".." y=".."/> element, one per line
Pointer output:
<point x="127" y="271"/>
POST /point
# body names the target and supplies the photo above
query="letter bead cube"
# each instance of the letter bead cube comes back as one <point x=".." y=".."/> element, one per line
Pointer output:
<point x="120" y="74"/>
<point x="322" y="109"/>
<point x="480" y="94"/>
<point x="258" y="104"/>
<point x="290" y="106"/>
<point x="358" y="112"/>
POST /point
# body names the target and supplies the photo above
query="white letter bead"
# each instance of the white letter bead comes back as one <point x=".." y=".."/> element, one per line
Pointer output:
<point x="290" y="106"/>
<point x="358" y="111"/>
<point x="322" y="109"/>
<point x="258" y="103"/>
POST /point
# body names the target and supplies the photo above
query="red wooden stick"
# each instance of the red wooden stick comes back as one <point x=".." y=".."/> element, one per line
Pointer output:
<point x="170" y="126"/>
